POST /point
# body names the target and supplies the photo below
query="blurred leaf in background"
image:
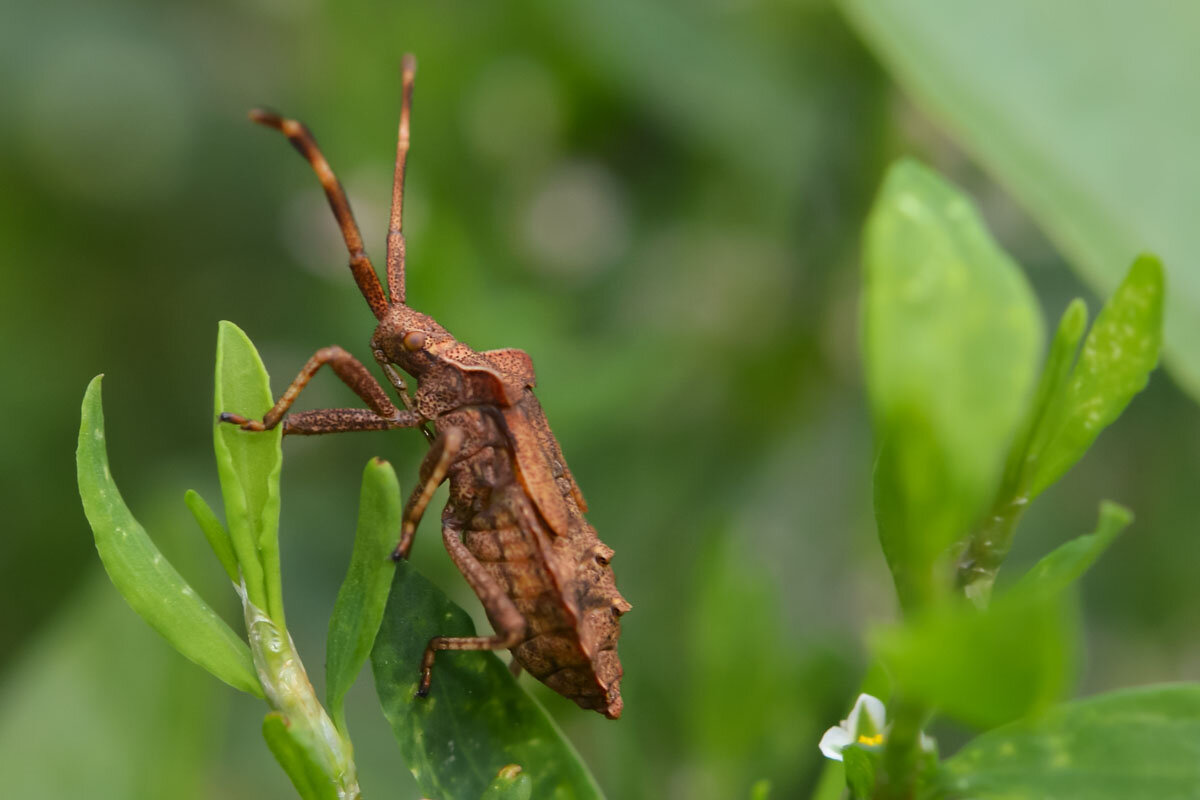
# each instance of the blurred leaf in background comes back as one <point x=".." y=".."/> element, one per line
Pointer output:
<point x="1084" y="124"/>
<point x="951" y="332"/>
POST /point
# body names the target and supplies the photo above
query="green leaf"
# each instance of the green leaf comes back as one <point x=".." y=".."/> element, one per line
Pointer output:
<point x="1067" y="563"/>
<point x="983" y="668"/>
<point x="363" y="595"/>
<point x="248" y="464"/>
<point x="1118" y="355"/>
<point x="1089" y="129"/>
<point x="214" y="532"/>
<point x="1134" y="743"/>
<point x="761" y="790"/>
<point x="1055" y="373"/>
<point x="510" y="784"/>
<point x="147" y="581"/>
<point x="476" y="719"/>
<point x="294" y="755"/>
<point x="860" y="771"/>
<point x="951" y="339"/>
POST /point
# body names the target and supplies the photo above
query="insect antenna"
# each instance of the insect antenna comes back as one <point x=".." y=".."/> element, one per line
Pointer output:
<point x="395" y="237"/>
<point x="302" y="139"/>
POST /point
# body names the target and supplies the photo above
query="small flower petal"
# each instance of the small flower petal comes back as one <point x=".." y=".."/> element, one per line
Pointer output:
<point x="876" y="717"/>
<point x="834" y="741"/>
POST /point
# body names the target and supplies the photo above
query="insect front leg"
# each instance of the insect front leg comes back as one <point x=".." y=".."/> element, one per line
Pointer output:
<point x="383" y="413"/>
<point x="508" y="621"/>
<point x="397" y="380"/>
<point x="434" y="468"/>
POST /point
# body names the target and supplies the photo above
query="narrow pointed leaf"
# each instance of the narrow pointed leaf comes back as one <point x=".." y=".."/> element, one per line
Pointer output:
<point x="294" y="756"/>
<point x="1133" y="743"/>
<point x="214" y="532"/>
<point x="248" y="464"/>
<point x="951" y="336"/>
<point x="147" y="581"/>
<point x="1118" y="356"/>
<point x="363" y="595"/>
<point x="1055" y="374"/>
<point x="1067" y="563"/>
<point x="476" y="718"/>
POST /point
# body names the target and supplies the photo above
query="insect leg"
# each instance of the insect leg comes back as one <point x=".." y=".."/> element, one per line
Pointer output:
<point x="338" y="420"/>
<point x="433" y="471"/>
<point x="397" y="380"/>
<point x="302" y="139"/>
<point x="508" y="621"/>
<point x="352" y="373"/>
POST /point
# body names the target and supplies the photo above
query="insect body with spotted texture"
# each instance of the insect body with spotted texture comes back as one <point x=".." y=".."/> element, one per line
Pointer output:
<point x="514" y="523"/>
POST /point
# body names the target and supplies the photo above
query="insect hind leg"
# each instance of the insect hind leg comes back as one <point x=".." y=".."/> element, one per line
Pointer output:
<point x="509" y="622"/>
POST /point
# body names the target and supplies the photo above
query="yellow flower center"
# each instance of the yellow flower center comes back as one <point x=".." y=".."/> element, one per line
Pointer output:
<point x="872" y="741"/>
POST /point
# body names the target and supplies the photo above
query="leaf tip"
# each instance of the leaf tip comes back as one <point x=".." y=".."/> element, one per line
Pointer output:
<point x="1115" y="514"/>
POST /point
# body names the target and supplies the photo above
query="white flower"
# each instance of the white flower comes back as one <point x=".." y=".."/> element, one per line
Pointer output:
<point x="867" y="725"/>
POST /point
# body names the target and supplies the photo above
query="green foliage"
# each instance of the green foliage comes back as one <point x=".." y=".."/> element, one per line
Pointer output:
<point x="141" y="574"/>
<point x="946" y="315"/>
<point x="510" y="784"/>
<point x="301" y="735"/>
<point x="316" y="756"/>
<point x="249" y="466"/>
<point x="1118" y="355"/>
<point x="1067" y="563"/>
<point x="214" y="532"/>
<point x="860" y="764"/>
<point x="475" y="719"/>
<point x="1055" y="373"/>
<point x="1142" y="742"/>
<point x="951" y="332"/>
<point x="363" y="595"/>
<point x="1072" y="406"/>
<point x="983" y="667"/>
<point x="1101" y="156"/>
<point x="295" y="755"/>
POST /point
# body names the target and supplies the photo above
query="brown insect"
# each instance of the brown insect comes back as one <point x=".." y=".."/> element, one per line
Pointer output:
<point x="514" y="522"/>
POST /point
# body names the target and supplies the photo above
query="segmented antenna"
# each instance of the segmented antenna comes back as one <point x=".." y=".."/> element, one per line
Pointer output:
<point x="395" y="237"/>
<point x="364" y="272"/>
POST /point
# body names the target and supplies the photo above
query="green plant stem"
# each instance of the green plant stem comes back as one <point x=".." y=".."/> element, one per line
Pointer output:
<point x="902" y="751"/>
<point x="290" y="692"/>
<point x="987" y="547"/>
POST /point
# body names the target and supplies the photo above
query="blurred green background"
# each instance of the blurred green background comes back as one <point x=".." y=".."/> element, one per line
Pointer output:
<point x="660" y="201"/>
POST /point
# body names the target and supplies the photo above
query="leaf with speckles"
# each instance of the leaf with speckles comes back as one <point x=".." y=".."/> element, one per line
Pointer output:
<point x="476" y="718"/>
<point x="147" y="581"/>
<point x="1115" y="363"/>
<point x="951" y="339"/>
<point x="511" y="784"/>
<point x="1133" y="743"/>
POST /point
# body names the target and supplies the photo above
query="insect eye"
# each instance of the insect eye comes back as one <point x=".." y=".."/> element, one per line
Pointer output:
<point x="413" y="340"/>
<point x="601" y="560"/>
